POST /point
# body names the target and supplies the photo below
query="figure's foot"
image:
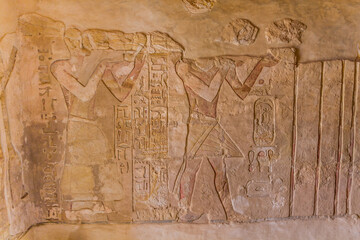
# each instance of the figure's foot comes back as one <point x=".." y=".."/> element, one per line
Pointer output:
<point x="188" y="216"/>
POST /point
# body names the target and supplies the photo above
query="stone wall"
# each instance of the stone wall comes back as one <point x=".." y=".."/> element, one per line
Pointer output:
<point x="100" y="125"/>
<point x="4" y="221"/>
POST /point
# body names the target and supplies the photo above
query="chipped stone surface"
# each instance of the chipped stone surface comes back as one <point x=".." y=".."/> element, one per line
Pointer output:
<point x="331" y="32"/>
<point x="285" y="31"/>
<point x="106" y="125"/>
<point x="239" y="32"/>
<point x="199" y="6"/>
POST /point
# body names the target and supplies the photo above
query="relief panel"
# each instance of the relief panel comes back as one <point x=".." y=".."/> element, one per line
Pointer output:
<point x="121" y="127"/>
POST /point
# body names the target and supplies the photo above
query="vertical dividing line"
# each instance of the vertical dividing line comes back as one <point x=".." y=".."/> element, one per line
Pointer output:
<point x="294" y="144"/>
<point x="167" y="109"/>
<point x="340" y="141"/>
<point x="132" y="154"/>
<point x="149" y="100"/>
<point x="115" y="117"/>
<point x="148" y="163"/>
<point x="318" y="167"/>
<point x="353" y="127"/>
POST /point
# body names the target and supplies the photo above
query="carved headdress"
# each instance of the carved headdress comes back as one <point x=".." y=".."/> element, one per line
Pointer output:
<point x="36" y="25"/>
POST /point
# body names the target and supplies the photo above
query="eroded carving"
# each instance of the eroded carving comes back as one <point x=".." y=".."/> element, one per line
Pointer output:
<point x="199" y="6"/>
<point x="150" y="110"/>
<point x="264" y="183"/>
<point x="8" y="153"/>
<point x="38" y="42"/>
<point x="239" y="32"/>
<point x="285" y="31"/>
<point x="112" y="143"/>
<point x="264" y="122"/>
<point x="80" y="85"/>
<point x="207" y="139"/>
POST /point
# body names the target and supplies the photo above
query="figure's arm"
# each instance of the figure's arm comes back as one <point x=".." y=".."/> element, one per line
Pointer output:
<point x="5" y="76"/>
<point x="62" y="72"/>
<point x="242" y="90"/>
<point x="196" y="84"/>
<point x="120" y="84"/>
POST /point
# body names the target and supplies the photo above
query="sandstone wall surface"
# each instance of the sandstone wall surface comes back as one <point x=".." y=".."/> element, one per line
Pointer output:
<point x="331" y="24"/>
<point x="309" y="229"/>
<point x="130" y="122"/>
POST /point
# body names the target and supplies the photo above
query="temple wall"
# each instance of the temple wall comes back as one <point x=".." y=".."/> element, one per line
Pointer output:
<point x="194" y="111"/>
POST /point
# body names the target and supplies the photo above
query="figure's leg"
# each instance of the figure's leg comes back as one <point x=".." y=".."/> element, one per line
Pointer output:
<point x="222" y="187"/>
<point x="187" y="184"/>
<point x="176" y="189"/>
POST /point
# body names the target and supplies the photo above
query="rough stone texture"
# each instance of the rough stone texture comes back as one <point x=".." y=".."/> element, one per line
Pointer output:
<point x="239" y="32"/>
<point x="285" y="31"/>
<point x="199" y="6"/>
<point x="331" y="33"/>
<point x="306" y="136"/>
<point x="296" y="230"/>
<point x="325" y="120"/>
<point x="100" y="124"/>
<point x="354" y="205"/>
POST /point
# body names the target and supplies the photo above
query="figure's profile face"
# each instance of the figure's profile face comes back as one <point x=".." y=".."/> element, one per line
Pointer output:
<point x="73" y="40"/>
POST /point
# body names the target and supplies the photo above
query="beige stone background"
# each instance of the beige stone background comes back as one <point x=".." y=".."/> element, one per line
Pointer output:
<point x="331" y="34"/>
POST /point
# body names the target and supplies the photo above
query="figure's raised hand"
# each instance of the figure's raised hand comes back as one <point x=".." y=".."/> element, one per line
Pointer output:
<point x="182" y="67"/>
<point x="225" y="62"/>
<point x="140" y="59"/>
<point x="106" y="64"/>
<point x="228" y="66"/>
<point x="269" y="61"/>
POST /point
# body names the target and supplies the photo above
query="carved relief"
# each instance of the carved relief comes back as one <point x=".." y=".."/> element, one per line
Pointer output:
<point x="149" y="107"/>
<point x="95" y="39"/>
<point x="101" y="128"/>
<point x="118" y="75"/>
<point x="207" y="139"/>
<point x="123" y="138"/>
<point x="34" y="133"/>
<point x="262" y="159"/>
<point x="264" y="122"/>
<point x="285" y="31"/>
<point x="7" y="153"/>
<point x="239" y="32"/>
<point x="199" y="6"/>
<point x="261" y="163"/>
<point x="143" y="125"/>
<point x="50" y="135"/>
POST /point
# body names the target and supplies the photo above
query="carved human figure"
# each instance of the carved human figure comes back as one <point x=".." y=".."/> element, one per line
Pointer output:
<point x="6" y="68"/>
<point x="206" y="138"/>
<point x="87" y="146"/>
<point x="21" y="65"/>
